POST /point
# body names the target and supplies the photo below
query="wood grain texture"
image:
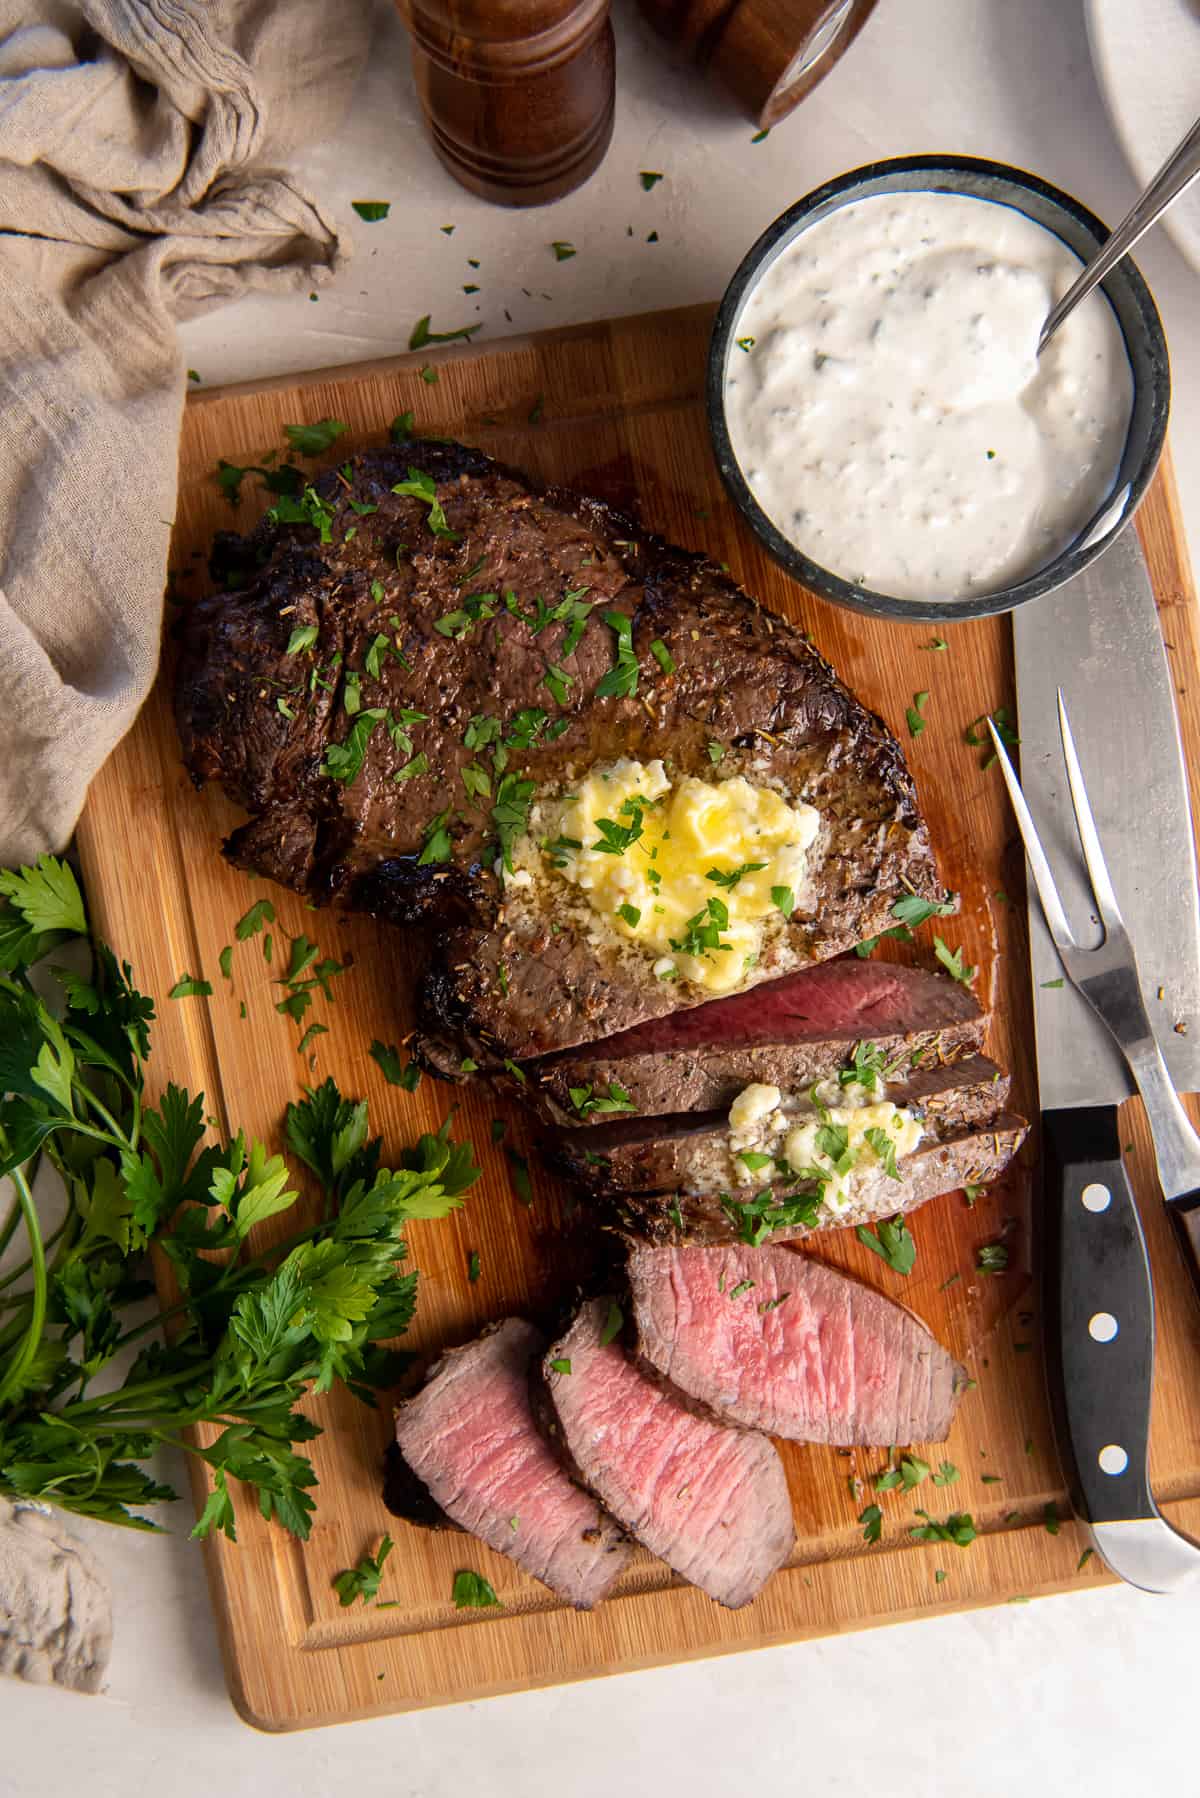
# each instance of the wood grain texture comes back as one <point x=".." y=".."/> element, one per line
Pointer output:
<point x="621" y="415"/>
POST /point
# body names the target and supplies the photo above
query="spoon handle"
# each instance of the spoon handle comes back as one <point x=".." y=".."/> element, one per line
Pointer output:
<point x="1177" y="173"/>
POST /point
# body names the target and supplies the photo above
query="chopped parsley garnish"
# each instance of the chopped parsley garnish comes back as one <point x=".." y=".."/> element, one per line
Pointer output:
<point x="741" y="1287"/>
<point x="992" y="1258"/>
<point x="475" y="607"/>
<point x="630" y="915"/>
<point x="734" y="875"/>
<point x="474" y="1268"/>
<point x="421" y="334"/>
<point x="959" y="1529"/>
<point x="225" y="961"/>
<point x="510" y="814"/>
<point x="754" y="1159"/>
<point x="372" y="210"/>
<point x="560" y="1365"/>
<point x="558" y="681"/>
<point x="189" y="987"/>
<point x="914" y="716"/>
<point x="387" y="1058"/>
<point x="535" y="411"/>
<point x="475" y="781"/>
<point x="784" y="899"/>
<point x="313" y="440"/>
<point x="621" y="681"/>
<point x="563" y="252"/>
<point x="251" y="922"/>
<point x="302" y="637"/>
<point x="866" y="1068"/>
<point x="613" y="1324"/>
<point x="885" y="1147"/>
<point x="912" y="910"/>
<point x="872" y="1518"/>
<point x="976" y="733"/>
<point x="310" y="508"/>
<point x="518" y="1169"/>
<point x="401" y="427"/>
<point x="524" y="729"/>
<point x="952" y="961"/>
<point x="471" y="1592"/>
<point x="761" y="137"/>
<point x="343" y="761"/>
<point x="702" y="932"/>
<point x="662" y="656"/>
<point x="419" y="764"/>
<point x="937" y="644"/>
<point x="423" y="487"/>
<point x="282" y="706"/>
<point x="754" y="1219"/>
<point x="1053" y="984"/>
<point x="746" y="344"/>
<point x="946" y="1475"/>
<point x="362" y="1581"/>
<point x="589" y="1101"/>
<point x="428" y="375"/>
<point x="437" y="846"/>
<point x="615" y="839"/>
<point x="649" y="178"/>
<point x="894" y="1244"/>
<point x="715" y="752"/>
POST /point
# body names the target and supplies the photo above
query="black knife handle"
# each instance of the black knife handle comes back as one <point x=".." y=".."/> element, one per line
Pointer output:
<point x="1185" y="1215"/>
<point x="1099" y="1309"/>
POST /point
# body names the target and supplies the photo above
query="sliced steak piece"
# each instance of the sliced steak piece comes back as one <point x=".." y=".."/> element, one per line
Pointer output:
<point x="470" y="1438"/>
<point x="412" y="632"/>
<point x="709" y="1501"/>
<point x="968" y="1158"/>
<point x="802" y="1352"/>
<point x="691" y="1151"/>
<point x="788" y="1033"/>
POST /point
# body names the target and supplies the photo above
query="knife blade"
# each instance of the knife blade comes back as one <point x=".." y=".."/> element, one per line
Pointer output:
<point x="1099" y="636"/>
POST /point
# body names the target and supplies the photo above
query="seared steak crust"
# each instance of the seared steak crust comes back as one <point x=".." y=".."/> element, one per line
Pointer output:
<point x="504" y="986"/>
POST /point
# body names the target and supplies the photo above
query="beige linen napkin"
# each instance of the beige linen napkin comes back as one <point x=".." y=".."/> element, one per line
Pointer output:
<point x="140" y="143"/>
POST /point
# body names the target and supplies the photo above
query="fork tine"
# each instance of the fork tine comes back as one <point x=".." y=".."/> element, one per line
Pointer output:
<point x="1093" y="854"/>
<point x="1043" y="879"/>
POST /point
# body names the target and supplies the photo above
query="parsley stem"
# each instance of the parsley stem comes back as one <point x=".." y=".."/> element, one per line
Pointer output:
<point x="116" y="1403"/>
<point x="23" y="1356"/>
<point x="15" y="1273"/>
<point x="118" y="1138"/>
<point x="8" y="1227"/>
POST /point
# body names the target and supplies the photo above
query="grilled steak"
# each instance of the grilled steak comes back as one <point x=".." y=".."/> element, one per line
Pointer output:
<point x="788" y="1033"/>
<point x="470" y="1438"/>
<point x="804" y="1352"/>
<point x="464" y="625"/>
<point x="711" y="1502"/>
<point x="971" y="1157"/>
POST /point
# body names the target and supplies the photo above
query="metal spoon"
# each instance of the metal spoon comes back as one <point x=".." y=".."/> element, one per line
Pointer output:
<point x="1175" y="177"/>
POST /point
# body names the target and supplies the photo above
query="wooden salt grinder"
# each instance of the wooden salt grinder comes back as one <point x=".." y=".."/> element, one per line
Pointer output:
<point x="517" y="94"/>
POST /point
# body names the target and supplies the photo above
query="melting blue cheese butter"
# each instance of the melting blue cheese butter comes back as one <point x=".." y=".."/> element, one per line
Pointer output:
<point x="843" y="1134"/>
<point x="696" y="873"/>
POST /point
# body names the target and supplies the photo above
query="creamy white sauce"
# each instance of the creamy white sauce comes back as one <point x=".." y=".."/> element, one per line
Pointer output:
<point x="889" y="411"/>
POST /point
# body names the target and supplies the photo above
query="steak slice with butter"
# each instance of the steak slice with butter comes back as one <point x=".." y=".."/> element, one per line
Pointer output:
<point x="711" y="1502"/>
<point x="804" y="1352"/>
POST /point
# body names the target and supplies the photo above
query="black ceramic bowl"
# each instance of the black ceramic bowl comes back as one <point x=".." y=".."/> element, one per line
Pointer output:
<point x="1136" y="313"/>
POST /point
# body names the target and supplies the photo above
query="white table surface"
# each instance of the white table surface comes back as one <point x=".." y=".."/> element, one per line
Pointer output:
<point x="1090" y="1693"/>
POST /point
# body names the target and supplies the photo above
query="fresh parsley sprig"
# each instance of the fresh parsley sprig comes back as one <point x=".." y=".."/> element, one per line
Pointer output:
<point x="253" y="1330"/>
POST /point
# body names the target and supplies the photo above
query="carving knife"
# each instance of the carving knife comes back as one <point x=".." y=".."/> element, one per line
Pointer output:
<point x="1099" y="638"/>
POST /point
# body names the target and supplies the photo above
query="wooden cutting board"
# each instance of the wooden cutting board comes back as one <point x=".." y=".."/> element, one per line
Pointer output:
<point x="615" y="409"/>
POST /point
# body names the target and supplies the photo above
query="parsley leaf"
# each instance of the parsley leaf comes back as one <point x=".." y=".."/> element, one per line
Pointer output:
<point x="372" y="210"/>
<point x="912" y="910"/>
<point x="894" y="1244"/>
<point x="952" y="961"/>
<point x="960" y="1529"/>
<point x="914" y="716"/>
<point x="187" y="987"/>
<point x="314" y="440"/>
<point x="621" y="681"/>
<point x="613" y="1324"/>
<point x="47" y="896"/>
<point x="252" y="921"/>
<point x="472" y="1592"/>
<point x="589" y="1101"/>
<point x="734" y="875"/>
<point x="363" y="1580"/>
<point x="784" y="899"/>
<point x="563" y="251"/>
<point x="421" y="334"/>
<point x="992" y="1258"/>
<point x="343" y="761"/>
<point x="872" y="1522"/>
<point x="422" y="486"/>
<point x="387" y="1058"/>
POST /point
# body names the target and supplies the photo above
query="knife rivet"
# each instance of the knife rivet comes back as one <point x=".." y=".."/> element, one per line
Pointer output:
<point x="1102" y="1327"/>
<point x="1096" y="1197"/>
<point x="1113" y="1459"/>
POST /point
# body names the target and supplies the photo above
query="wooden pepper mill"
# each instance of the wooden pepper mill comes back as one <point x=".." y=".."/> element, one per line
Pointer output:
<point x="769" y="53"/>
<point x="518" y="94"/>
